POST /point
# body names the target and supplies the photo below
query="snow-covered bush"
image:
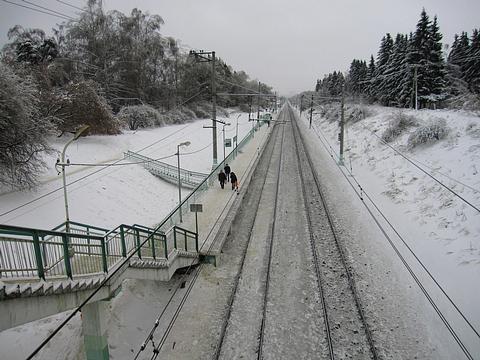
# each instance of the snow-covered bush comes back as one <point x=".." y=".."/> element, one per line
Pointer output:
<point x="473" y="129"/>
<point x="465" y="101"/>
<point x="431" y="132"/>
<point x="355" y="113"/>
<point x="398" y="123"/>
<point x="203" y="110"/>
<point x="23" y="134"/>
<point x="331" y="112"/>
<point x="140" y="116"/>
<point x="82" y="104"/>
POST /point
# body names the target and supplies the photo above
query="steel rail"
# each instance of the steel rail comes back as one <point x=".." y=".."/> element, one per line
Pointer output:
<point x="233" y="294"/>
<point x="157" y="348"/>
<point x="315" y="255"/>
<point x="267" y="280"/>
<point x="341" y="252"/>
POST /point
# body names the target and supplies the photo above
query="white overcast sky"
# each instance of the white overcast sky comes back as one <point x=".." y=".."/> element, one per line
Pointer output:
<point x="285" y="43"/>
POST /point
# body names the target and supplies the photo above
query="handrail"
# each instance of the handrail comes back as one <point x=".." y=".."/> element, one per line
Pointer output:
<point x="24" y="231"/>
<point x="59" y="253"/>
<point x="129" y="153"/>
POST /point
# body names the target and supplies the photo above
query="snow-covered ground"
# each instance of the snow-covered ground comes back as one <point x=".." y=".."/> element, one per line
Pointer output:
<point x="110" y="196"/>
<point x="442" y="229"/>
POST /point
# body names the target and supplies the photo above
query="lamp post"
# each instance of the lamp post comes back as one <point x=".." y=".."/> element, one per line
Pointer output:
<point x="63" y="164"/>
<point x="223" y="130"/>
<point x="236" y="137"/>
<point x="186" y="143"/>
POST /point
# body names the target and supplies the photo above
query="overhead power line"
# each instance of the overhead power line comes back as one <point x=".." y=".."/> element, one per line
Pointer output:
<point x="47" y="9"/>
<point x="72" y="6"/>
<point x="361" y="193"/>
<point x="64" y="17"/>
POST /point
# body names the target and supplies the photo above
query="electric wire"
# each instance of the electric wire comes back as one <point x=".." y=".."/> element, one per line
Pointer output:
<point x="83" y="177"/>
<point x="450" y="300"/>
<point x="426" y="172"/>
<point x="172" y="321"/>
<point x="95" y="172"/>
<point x="192" y="282"/>
<point x="243" y="87"/>
<point x="47" y="9"/>
<point x="72" y="6"/>
<point x="66" y="17"/>
<point x="412" y="161"/>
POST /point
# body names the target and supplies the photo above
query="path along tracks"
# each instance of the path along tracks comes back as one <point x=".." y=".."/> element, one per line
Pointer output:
<point x="292" y="294"/>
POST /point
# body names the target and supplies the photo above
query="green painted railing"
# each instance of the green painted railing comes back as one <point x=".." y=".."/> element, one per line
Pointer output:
<point x="173" y="218"/>
<point x="81" y="249"/>
<point x="85" y="250"/>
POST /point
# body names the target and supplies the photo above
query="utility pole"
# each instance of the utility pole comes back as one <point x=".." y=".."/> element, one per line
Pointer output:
<point x="214" y="112"/>
<point x="415" y="85"/>
<point x="209" y="56"/>
<point x="311" y="112"/>
<point x="258" y="102"/>
<point x="342" y="125"/>
<point x="301" y="104"/>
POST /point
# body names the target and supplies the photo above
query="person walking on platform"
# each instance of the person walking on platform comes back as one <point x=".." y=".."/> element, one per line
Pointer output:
<point x="227" y="171"/>
<point x="222" y="177"/>
<point x="234" y="181"/>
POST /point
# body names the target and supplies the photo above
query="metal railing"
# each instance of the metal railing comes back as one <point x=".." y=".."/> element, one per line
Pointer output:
<point x="27" y="253"/>
<point x="173" y="218"/>
<point x="47" y="254"/>
<point x="190" y="179"/>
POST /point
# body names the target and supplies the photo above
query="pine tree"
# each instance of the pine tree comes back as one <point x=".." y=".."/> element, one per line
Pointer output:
<point x="456" y="65"/>
<point x="472" y="63"/>
<point x="436" y="65"/>
<point x="369" y="90"/>
<point x="384" y="53"/>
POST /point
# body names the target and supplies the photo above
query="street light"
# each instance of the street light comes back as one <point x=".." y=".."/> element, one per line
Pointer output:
<point x="186" y="143"/>
<point x="236" y="137"/>
<point x="226" y="124"/>
<point x="63" y="164"/>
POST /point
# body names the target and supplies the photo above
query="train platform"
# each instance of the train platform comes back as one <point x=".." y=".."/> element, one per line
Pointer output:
<point x="219" y="206"/>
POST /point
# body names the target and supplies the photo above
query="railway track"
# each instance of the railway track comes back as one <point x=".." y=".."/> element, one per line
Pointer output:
<point x="294" y="295"/>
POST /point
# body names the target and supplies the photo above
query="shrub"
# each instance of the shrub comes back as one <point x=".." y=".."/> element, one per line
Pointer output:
<point x="23" y="133"/>
<point x="433" y="131"/>
<point x="140" y="116"/>
<point x="399" y="122"/>
<point x="465" y="101"/>
<point x="82" y="104"/>
<point x="473" y="130"/>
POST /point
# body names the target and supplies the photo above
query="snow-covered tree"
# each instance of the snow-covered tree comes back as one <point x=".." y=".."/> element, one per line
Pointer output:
<point x="472" y="63"/>
<point x="23" y="134"/>
<point x="83" y="104"/>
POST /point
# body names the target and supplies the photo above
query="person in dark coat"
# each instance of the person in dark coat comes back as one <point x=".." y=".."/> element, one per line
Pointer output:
<point x="227" y="171"/>
<point x="234" y="181"/>
<point x="222" y="177"/>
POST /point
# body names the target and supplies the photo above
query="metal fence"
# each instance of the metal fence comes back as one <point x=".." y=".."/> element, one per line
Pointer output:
<point x="48" y="254"/>
<point x="77" y="249"/>
<point x="190" y="179"/>
<point x="173" y="218"/>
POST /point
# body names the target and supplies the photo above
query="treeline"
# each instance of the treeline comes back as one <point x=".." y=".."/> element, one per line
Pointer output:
<point x="414" y="62"/>
<point x="105" y="69"/>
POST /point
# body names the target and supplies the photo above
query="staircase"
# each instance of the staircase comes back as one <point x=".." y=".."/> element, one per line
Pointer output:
<point x="189" y="179"/>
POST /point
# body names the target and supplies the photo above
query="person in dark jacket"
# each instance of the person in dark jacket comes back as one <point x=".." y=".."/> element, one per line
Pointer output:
<point x="227" y="171"/>
<point x="222" y="177"/>
<point x="234" y="181"/>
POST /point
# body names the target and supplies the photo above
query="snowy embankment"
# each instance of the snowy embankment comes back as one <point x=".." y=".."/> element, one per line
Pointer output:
<point x="441" y="228"/>
<point x="109" y="196"/>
